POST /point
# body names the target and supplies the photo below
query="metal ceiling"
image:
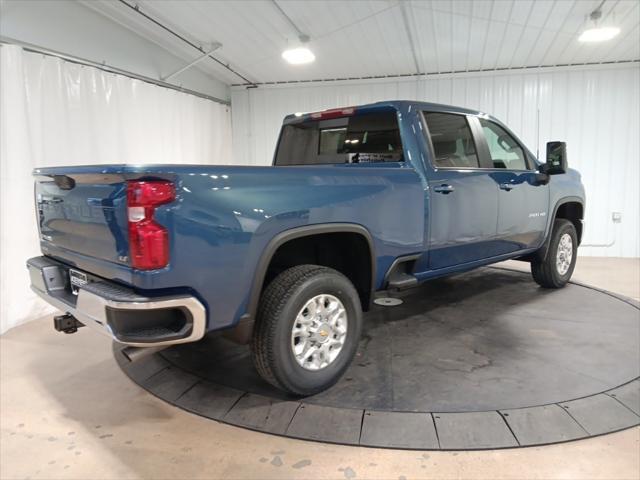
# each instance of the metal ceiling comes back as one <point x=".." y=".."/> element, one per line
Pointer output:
<point x="377" y="38"/>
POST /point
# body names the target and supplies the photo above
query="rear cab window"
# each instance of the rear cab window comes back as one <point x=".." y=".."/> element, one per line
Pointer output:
<point x="359" y="138"/>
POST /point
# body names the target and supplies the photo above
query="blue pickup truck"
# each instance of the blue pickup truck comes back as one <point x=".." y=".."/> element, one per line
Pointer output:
<point x="358" y="201"/>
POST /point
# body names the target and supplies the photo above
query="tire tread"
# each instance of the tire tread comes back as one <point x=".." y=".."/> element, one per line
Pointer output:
<point x="272" y="301"/>
<point x="543" y="272"/>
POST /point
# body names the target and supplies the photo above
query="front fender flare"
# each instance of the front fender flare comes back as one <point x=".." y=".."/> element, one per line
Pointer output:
<point x="541" y="254"/>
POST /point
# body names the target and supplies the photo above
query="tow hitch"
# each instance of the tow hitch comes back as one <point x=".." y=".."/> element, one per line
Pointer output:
<point x="66" y="323"/>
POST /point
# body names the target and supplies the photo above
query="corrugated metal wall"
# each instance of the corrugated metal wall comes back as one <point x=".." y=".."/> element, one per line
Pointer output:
<point x="596" y="110"/>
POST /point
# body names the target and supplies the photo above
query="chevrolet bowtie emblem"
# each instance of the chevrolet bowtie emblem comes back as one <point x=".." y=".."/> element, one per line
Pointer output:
<point x="323" y="333"/>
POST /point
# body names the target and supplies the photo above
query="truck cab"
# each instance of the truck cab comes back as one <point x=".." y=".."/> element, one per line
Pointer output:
<point x="486" y="196"/>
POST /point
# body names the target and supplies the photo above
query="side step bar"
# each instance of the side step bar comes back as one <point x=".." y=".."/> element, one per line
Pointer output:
<point x="400" y="275"/>
<point x="401" y="280"/>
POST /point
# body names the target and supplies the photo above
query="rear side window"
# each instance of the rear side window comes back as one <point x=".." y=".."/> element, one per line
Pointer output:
<point x="365" y="138"/>
<point x="453" y="145"/>
<point x="505" y="151"/>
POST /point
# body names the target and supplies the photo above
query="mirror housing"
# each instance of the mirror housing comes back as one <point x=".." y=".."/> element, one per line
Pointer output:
<point x="556" y="158"/>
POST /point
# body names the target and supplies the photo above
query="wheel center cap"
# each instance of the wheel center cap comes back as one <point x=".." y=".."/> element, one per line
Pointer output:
<point x="322" y="333"/>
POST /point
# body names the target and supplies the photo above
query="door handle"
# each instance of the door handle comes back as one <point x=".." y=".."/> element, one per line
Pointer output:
<point x="445" y="189"/>
<point x="506" y="186"/>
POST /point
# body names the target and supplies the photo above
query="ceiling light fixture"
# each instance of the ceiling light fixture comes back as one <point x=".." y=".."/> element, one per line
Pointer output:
<point x="597" y="33"/>
<point x="600" y="34"/>
<point x="300" y="54"/>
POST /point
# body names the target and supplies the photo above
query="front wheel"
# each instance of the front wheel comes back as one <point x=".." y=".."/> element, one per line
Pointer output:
<point x="556" y="269"/>
<point x="307" y="330"/>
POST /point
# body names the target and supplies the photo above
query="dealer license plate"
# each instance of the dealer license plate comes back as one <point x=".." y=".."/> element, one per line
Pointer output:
<point x="77" y="279"/>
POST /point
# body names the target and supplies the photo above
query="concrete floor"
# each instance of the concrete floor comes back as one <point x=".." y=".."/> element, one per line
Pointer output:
<point x="68" y="412"/>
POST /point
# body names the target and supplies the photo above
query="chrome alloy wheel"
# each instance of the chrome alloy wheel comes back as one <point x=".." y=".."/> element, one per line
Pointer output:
<point x="564" y="255"/>
<point x="319" y="332"/>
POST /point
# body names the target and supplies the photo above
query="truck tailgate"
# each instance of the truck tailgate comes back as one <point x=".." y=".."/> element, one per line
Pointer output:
<point x="83" y="213"/>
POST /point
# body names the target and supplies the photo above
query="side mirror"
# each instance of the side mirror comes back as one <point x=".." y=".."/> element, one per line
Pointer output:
<point x="556" y="158"/>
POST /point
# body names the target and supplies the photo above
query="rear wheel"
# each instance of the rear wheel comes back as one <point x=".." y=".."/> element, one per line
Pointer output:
<point x="556" y="269"/>
<point x="307" y="330"/>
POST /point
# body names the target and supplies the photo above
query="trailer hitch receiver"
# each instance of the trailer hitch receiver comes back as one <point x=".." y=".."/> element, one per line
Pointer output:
<point x="66" y="323"/>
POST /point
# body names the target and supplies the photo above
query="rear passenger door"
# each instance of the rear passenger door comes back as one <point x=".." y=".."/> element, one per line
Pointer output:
<point x="463" y="198"/>
<point x="522" y="200"/>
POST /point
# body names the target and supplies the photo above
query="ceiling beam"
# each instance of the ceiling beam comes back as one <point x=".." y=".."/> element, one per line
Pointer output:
<point x="303" y="37"/>
<point x="136" y="8"/>
<point x="450" y="73"/>
<point x="192" y="63"/>
<point x="28" y="47"/>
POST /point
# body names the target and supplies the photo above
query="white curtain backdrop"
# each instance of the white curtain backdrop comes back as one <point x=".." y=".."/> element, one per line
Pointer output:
<point x="55" y="112"/>
<point x="596" y="110"/>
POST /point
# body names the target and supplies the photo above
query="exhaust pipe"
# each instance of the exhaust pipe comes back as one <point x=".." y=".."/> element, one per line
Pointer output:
<point x="134" y="354"/>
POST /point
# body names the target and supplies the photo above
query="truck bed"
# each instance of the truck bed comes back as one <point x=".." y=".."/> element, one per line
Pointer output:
<point x="221" y="221"/>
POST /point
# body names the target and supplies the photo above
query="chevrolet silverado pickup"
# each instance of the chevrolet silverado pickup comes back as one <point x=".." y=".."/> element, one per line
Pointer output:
<point x="358" y="201"/>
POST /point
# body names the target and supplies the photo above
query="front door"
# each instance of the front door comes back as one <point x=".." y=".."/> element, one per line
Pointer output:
<point x="523" y="201"/>
<point x="463" y="198"/>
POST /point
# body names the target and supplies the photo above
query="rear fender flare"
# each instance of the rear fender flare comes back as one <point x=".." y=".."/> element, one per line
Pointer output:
<point x="248" y="318"/>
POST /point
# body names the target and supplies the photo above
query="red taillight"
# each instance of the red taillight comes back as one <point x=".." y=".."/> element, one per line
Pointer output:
<point x="151" y="193"/>
<point x="148" y="240"/>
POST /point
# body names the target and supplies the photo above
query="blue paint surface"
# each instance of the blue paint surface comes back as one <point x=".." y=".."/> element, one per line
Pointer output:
<point x="225" y="216"/>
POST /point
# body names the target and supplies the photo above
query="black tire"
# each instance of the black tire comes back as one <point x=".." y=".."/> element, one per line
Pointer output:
<point x="545" y="272"/>
<point x="280" y="304"/>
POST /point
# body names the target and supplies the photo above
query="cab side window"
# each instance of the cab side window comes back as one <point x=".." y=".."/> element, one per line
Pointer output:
<point x="453" y="145"/>
<point x="504" y="150"/>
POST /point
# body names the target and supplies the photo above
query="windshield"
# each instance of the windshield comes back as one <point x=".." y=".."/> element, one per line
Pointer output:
<point x="364" y="138"/>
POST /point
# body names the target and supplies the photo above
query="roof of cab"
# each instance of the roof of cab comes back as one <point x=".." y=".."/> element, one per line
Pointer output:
<point x="397" y="104"/>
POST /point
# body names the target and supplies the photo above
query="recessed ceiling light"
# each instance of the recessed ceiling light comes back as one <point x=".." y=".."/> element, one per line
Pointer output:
<point x="599" y="34"/>
<point x="298" y="56"/>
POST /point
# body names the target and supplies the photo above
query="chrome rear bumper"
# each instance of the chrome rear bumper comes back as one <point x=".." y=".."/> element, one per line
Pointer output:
<point x="117" y="311"/>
